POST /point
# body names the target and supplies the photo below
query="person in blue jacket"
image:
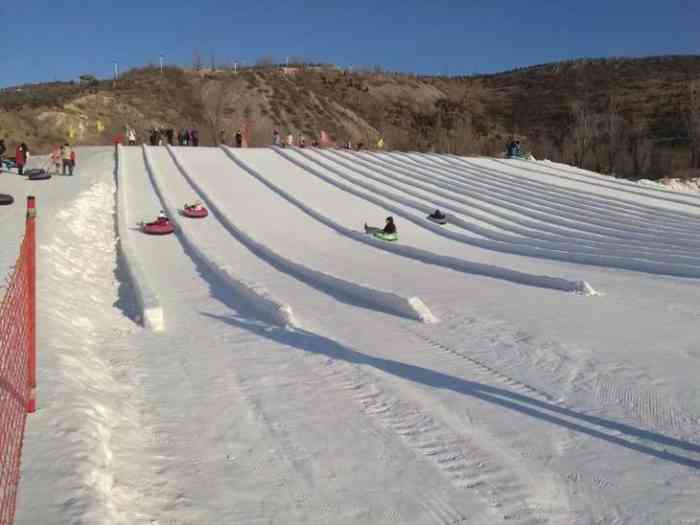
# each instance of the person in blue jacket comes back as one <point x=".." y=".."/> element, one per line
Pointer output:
<point x="514" y="149"/>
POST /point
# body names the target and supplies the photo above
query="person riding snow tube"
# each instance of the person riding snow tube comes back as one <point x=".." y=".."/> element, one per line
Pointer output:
<point x="194" y="211"/>
<point x="438" y="217"/>
<point x="161" y="226"/>
<point x="388" y="233"/>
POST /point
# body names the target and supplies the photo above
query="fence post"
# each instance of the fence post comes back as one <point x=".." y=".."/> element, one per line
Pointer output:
<point x="31" y="303"/>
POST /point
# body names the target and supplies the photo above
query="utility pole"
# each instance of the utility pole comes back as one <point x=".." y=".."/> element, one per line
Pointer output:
<point x="161" y="63"/>
<point x="116" y="73"/>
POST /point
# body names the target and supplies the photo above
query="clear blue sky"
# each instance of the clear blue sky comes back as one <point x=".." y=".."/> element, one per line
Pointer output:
<point x="44" y="40"/>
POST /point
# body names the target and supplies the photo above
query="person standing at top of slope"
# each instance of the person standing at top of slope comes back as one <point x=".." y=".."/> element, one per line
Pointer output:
<point x="131" y="136"/>
<point x="514" y="149"/>
<point x="21" y="156"/>
<point x="194" y="137"/>
<point x="275" y="137"/>
<point x="3" y="149"/>
<point x="239" y="139"/>
<point x="55" y="158"/>
<point x="68" y="156"/>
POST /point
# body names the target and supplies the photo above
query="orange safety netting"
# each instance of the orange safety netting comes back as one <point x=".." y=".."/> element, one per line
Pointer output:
<point x="17" y="362"/>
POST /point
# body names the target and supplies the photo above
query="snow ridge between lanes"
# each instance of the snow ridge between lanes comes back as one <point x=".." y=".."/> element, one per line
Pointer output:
<point x="479" y="193"/>
<point x="556" y="169"/>
<point x="567" y="241"/>
<point x="531" y="250"/>
<point x="461" y="265"/>
<point x="409" y="307"/>
<point x="147" y="301"/>
<point x="255" y="296"/>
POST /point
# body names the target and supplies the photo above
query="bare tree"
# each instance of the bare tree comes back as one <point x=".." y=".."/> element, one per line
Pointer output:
<point x="611" y="135"/>
<point x="213" y="96"/>
<point x="582" y="130"/>
<point x="692" y="123"/>
<point x="638" y="144"/>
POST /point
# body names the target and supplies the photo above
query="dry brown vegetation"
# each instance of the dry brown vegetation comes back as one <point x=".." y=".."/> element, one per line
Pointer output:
<point x="630" y="117"/>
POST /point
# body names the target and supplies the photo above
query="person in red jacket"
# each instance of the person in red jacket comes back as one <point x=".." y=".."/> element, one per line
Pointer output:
<point x="21" y="154"/>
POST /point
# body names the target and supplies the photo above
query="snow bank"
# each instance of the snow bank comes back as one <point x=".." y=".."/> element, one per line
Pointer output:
<point x="686" y="185"/>
<point x="87" y="411"/>
<point x="381" y="300"/>
<point x="256" y="297"/>
<point x="148" y="303"/>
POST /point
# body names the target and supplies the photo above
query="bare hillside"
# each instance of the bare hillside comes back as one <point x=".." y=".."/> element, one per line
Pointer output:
<point x="631" y="117"/>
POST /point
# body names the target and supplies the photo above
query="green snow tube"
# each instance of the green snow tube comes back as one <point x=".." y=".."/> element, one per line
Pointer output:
<point x="386" y="236"/>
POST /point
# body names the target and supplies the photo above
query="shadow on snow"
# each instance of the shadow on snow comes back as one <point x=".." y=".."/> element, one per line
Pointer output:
<point x="522" y="404"/>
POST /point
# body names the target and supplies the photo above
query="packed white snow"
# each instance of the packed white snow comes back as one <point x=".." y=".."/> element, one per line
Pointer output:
<point x="533" y="361"/>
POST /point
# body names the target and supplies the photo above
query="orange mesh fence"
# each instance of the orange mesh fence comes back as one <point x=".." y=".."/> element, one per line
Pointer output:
<point x="17" y="362"/>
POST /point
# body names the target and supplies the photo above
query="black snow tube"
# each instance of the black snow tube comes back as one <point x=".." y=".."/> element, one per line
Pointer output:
<point x="6" y="200"/>
<point x="438" y="220"/>
<point x="37" y="174"/>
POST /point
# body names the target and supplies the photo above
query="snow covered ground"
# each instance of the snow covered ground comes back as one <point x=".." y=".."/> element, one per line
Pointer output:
<point x="534" y="361"/>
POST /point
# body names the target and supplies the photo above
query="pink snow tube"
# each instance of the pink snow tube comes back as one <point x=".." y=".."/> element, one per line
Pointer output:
<point x="195" y="213"/>
<point x="158" y="228"/>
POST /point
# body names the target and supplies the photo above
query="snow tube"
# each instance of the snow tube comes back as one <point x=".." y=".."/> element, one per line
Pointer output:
<point x="441" y="221"/>
<point x="9" y="164"/>
<point x="154" y="228"/>
<point x="195" y="214"/>
<point x="386" y="236"/>
<point x="6" y="200"/>
<point x="35" y="174"/>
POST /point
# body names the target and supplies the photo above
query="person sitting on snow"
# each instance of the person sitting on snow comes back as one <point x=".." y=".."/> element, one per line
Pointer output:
<point x="437" y="214"/>
<point x="389" y="227"/>
<point x="160" y="220"/>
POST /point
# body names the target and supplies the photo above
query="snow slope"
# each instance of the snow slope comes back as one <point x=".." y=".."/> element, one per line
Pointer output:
<point x="306" y="373"/>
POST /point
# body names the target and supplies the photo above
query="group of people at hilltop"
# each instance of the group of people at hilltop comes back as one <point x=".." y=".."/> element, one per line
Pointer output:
<point x="62" y="158"/>
<point x="300" y="141"/>
<point x="162" y="136"/>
